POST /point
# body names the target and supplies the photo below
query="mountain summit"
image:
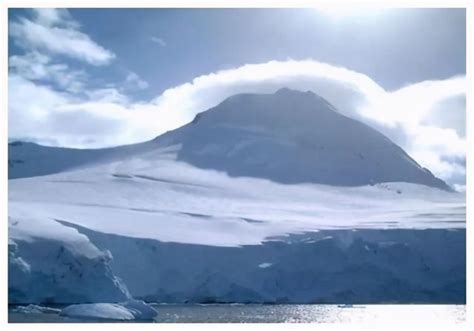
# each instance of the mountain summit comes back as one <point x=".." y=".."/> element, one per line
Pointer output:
<point x="293" y="137"/>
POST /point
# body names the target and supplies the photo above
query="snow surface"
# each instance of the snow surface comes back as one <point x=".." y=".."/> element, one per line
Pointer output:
<point x="126" y="311"/>
<point x="159" y="198"/>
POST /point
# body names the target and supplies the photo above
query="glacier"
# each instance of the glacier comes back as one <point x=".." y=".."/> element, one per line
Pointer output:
<point x="50" y="263"/>
<point x="199" y="236"/>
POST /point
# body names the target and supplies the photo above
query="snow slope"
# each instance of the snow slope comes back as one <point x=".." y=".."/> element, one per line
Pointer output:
<point x="27" y="159"/>
<point x="155" y="197"/>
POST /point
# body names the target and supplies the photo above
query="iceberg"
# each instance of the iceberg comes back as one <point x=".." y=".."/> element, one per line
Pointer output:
<point x="126" y="311"/>
<point x="101" y="311"/>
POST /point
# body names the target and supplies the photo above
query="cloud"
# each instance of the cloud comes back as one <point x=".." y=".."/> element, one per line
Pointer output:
<point x="54" y="31"/>
<point x="54" y="16"/>
<point x="408" y="116"/>
<point x="415" y="102"/>
<point x="158" y="41"/>
<point x="108" y="95"/>
<point x="57" y="118"/>
<point x="134" y="81"/>
<point x="39" y="67"/>
<point x="449" y="113"/>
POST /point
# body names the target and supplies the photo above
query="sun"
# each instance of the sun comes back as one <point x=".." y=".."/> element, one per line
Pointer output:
<point x="341" y="11"/>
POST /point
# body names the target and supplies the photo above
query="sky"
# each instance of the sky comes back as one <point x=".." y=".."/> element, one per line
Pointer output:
<point x="91" y="78"/>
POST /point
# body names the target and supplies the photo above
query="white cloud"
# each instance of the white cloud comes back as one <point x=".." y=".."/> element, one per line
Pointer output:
<point x="108" y="95"/>
<point x="54" y="16"/>
<point x="40" y="113"/>
<point x="134" y="81"/>
<point x="31" y="65"/>
<point x="459" y="188"/>
<point x="55" y="32"/>
<point x="415" y="102"/>
<point x="402" y="115"/>
<point x="39" y="67"/>
<point x="158" y="41"/>
<point x="449" y="113"/>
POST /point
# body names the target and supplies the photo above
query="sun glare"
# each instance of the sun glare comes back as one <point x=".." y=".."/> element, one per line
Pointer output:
<point x="340" y="11"/>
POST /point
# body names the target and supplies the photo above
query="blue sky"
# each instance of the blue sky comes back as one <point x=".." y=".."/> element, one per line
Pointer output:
<point x="104" y="77"/>
<point x="394" y="48"/>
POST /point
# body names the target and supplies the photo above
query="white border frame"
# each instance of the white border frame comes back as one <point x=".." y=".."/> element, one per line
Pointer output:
<point x="5" y="4"/>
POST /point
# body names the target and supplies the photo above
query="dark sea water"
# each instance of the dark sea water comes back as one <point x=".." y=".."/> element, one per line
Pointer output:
<point x="236" y="313"/>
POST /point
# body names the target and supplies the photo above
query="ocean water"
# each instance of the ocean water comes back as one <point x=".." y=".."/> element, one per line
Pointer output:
<point x="252" y="313"/>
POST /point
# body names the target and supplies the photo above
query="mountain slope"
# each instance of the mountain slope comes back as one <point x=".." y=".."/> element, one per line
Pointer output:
<point x="27" y="159"/>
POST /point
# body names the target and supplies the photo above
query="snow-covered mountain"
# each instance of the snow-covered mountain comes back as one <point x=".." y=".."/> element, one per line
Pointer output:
<point x="293" y="137"/>
<point x="234" y="207"/>
<point x="287" y="137"/>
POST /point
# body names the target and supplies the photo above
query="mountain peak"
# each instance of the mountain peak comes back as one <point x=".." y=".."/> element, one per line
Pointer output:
<point x="284" y="110"/>
<point x="288" y="91"/>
